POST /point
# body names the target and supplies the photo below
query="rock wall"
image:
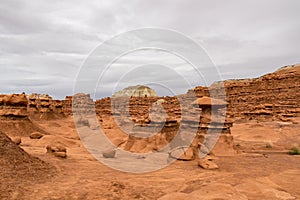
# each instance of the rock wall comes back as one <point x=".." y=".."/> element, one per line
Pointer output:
<point x="13" y="106"/>
<point x="272" y="96"/>
<point x="14" y="116"/>
<point x="275" y="96"/>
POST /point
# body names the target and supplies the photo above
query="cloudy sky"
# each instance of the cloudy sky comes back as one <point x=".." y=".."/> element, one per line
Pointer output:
<point x="43" y="44"/>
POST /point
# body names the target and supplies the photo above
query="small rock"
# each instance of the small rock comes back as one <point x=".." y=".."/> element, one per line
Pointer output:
<point x="82" y="122"/>
<point x="57" y="150"/>
<point x="141" y="157"/>
<point x="207" y="163"/>
<point x="110" y="153"/>
<point x="60" y="148"/>
<point x="94" y="127"/>
<point x="50" y="149"/>
<point x="36" y="135"/>
<point x="60" y="154"/>
<point x="16" y="140"/>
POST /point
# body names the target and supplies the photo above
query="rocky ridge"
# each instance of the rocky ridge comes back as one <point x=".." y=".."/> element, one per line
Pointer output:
<point x="274" y="96"/>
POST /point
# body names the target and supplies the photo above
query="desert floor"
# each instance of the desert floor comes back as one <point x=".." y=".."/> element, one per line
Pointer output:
<point x="261" y="169"/>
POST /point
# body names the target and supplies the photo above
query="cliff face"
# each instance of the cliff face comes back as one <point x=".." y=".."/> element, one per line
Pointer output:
<point x="13" y="106"/>
<point x="272" y="96"/>
<point x="14" y="118"/>
<point x="44" y="106"/>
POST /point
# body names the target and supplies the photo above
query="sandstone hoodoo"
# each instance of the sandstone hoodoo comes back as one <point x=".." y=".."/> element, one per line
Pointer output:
<point x="82" y="104"/>
<point x="212" y="125"/>
<point x="136" y="91"/>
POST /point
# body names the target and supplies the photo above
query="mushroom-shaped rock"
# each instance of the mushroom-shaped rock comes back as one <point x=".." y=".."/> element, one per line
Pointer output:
<point x="208" y="101"/>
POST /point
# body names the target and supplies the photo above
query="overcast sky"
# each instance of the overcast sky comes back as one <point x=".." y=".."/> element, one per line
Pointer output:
<point x="44" y="43"/>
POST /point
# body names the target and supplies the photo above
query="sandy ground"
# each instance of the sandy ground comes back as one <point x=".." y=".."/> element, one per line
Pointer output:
<point x="261" y="169"/>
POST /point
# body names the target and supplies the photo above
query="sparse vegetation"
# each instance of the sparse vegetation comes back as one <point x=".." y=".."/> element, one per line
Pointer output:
<point x="294" y="151"/>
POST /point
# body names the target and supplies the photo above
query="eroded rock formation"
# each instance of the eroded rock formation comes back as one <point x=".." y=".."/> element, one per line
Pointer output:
<point x="275" y="96"/>
<point x="140" y="111"/>
<point x="14" y="115"/>
<point x="13" y="106"/>
<point x="136" y="91"/>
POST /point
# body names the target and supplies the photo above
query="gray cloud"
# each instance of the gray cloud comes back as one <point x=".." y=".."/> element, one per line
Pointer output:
<point x="44" y="43"/>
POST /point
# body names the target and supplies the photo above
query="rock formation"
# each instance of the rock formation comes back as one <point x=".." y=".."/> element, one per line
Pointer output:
<point x="82" y="104"/>
<point x="14" y="115"/>
<point x="57" y="150"/>
<point x="140" y="111"/>
<point x="43" y="106"/>
<point x="274" y="96"/>
<point x="136" y="91"/>
<point x="213" y="124"/>
<point x="13" y="106"/>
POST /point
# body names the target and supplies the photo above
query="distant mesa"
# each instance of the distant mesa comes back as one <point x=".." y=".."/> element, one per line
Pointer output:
<point x="289" y="68"/>
<point x="136" y="91"/>
<point x="39" y="96"/>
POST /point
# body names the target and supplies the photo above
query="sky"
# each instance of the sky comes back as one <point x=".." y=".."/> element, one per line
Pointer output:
<point x="45" y="44"/>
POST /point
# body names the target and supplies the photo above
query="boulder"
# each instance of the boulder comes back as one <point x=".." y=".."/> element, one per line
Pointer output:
<point x="109" y="153"/>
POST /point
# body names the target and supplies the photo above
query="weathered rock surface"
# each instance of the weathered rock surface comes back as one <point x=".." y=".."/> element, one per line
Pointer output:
<point x="13" y="106"/>
<point x="274" y="96"/>
<point x="14" y="118"/>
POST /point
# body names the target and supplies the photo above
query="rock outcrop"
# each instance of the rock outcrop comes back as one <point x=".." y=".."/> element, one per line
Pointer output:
<point x="42" y="106"/>
<point x="14" y="115"/>
<point x="136" y="91"/>
<point x="275" y="96"/>
<point x="13" y="106"/>
<point x="154" y="121"/>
